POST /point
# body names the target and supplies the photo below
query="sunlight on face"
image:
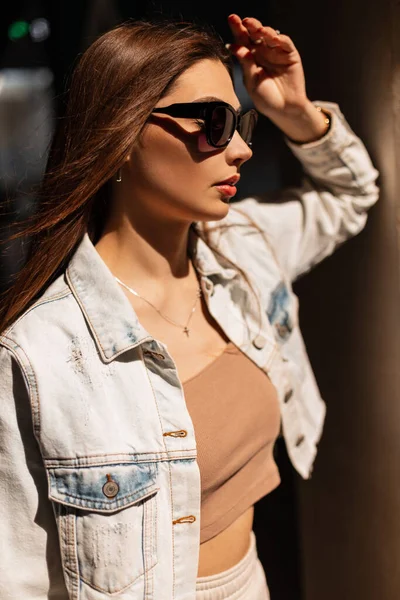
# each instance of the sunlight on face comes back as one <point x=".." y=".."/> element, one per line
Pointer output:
<point x="170" y="173"/>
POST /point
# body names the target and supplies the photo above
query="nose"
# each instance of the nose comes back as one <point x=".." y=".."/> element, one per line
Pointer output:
<point x="237" y="151"/>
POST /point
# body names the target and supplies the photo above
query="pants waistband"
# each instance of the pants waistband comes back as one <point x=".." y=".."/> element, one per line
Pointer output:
<point x="235" y="573"/>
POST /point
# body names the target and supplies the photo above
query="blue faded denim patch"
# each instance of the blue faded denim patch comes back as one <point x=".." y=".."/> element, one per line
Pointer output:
<point x="84" y="487"/>
<point x="279" y="311"/>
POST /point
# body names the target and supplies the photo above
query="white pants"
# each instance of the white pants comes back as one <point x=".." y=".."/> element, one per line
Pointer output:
<point x="243" y="581"/>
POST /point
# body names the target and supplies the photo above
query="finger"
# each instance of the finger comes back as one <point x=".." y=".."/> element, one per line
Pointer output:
<point x="246" y="59"/>
<point x="252" y="23"/>
<point x="272" y="45"/>
<point x="272" y="57"/>
<point x="270" y="36"/>
<point x="253" y="26"/>
<point x="269" y="40"/>
<point x="284" y="42"/>
<point x="239" y="31"/>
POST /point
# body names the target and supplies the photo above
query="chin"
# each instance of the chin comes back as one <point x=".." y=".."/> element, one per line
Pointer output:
<point x="216" y="213"/>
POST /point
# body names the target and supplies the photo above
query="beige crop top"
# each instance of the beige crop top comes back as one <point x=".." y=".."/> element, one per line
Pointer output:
<point x="236" y="417"/>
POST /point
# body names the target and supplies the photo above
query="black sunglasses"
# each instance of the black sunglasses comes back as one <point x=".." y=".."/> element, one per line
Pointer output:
<point x="220" y="120"/>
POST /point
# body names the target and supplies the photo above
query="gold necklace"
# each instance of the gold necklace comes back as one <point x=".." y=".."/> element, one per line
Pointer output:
<point x="185" y="328"/>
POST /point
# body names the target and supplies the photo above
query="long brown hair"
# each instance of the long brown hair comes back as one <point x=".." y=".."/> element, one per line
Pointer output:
<point x="115" y="85"/>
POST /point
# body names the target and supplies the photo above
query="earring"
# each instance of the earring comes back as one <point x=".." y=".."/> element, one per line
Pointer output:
<point x="119" y="176"/>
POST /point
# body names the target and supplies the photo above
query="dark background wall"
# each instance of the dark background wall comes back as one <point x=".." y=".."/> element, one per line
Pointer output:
<point x="349" y="515"/>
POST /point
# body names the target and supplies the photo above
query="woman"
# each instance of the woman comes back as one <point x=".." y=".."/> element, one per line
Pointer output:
<point x="150" y="311"/>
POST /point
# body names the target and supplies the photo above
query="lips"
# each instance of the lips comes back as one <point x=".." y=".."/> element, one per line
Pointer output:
<point x="229" y="181"/>
<point x="227" y="187"/>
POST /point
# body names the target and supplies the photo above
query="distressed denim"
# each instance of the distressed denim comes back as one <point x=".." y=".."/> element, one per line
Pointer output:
<point x="100" y="486"/>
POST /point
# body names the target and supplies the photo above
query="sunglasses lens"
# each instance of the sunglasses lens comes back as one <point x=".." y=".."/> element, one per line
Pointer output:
<point x="247" y="125"/>
<point x="222" y="126"/>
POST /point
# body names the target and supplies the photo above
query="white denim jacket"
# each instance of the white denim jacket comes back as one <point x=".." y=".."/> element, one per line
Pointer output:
<point x="100" y="487"/>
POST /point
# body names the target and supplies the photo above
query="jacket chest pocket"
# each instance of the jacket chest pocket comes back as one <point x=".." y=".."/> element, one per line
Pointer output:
<point x="107" y="517"/>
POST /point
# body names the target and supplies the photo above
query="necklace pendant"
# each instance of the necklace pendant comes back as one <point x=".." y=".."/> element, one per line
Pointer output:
<point x="186" y="330"/>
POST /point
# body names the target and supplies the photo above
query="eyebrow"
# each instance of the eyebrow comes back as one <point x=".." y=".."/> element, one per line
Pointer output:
<point x="214" y="99"/>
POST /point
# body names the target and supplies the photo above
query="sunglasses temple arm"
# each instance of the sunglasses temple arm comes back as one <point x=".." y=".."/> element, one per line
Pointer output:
<point x="189" y="112"/>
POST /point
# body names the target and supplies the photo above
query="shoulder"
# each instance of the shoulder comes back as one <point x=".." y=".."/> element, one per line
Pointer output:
<point x="243" y="212"/>
<point x="248" y="223"/>
<point x="52" y="312"/>
<point x="243" y="237"/>
<point x="242" y="219"/>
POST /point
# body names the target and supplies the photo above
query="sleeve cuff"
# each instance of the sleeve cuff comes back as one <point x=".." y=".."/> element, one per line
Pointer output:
<point x="338" y="137"/>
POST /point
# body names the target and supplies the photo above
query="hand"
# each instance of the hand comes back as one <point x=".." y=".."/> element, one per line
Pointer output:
<point x="272" y="69"/>
<point x="274" y="78"/>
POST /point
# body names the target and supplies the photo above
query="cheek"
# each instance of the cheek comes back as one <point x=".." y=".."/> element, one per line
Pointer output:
<point x="168" y="161"/>
<point x="165" y="169"/>
<point x="164" y="162"/>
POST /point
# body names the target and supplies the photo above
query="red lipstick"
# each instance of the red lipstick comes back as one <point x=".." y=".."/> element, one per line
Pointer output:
<point x="227" y="187"/>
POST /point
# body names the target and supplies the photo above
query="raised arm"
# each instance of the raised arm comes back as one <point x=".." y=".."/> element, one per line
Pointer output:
<point x="304" y="224"/>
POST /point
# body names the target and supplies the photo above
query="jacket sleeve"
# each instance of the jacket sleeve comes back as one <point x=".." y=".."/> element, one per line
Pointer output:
<point x="30" y="565"/>
<point x="306" y="224"/>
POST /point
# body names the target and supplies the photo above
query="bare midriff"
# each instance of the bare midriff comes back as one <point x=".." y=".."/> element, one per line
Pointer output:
<point x="228" y="547"/>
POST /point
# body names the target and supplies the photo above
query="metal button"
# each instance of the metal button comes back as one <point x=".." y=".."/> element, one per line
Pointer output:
<point x="299" y="440"/>
<point x="189" y="519"/>
<point x="110" y="488"/>
<point x="288" y="395"/>
<point x="259" y="342"/>
<point x="181" y="433"/>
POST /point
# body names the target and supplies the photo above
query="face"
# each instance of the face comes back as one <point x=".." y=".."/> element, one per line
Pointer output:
<point x="172" y="173"/>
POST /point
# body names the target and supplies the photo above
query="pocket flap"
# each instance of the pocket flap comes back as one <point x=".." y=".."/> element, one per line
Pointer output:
<point x="102" y="488"/>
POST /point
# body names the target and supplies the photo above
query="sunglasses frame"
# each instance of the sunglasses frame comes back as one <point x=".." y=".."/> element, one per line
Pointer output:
<point x="204" y="110"/>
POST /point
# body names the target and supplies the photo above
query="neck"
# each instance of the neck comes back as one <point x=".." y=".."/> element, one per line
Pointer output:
<point x="152" y="255"/>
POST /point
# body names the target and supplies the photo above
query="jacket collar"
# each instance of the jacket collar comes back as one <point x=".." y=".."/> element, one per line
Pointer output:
<point x="204" y="259"/>
<point x="110" y="316"/>
<point x="108" y="312"/>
